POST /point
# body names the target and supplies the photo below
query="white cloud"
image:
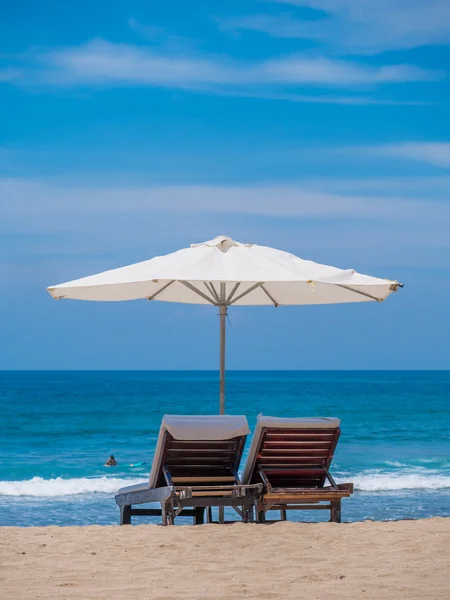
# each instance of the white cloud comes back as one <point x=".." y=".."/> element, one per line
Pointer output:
<point x="364" y="26"/>
<point x="32" y="202"/>
<point x="278" y="26"/>
<point x="101" y="63"/>
<point x="67" y="230"/>
<point x="350" y="100"/>
<point x="433" y="153"/>
<point x="327" y="71"/>
<point x="9" y="74"/>
<point x="427" y="188"/>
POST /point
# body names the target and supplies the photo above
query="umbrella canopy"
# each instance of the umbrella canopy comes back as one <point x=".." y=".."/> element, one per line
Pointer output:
<point x="223" y="272"/>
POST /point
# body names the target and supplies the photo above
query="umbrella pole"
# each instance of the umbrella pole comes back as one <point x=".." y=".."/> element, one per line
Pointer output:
<point x="223" y="309"/>
<point x="223" y="322"/>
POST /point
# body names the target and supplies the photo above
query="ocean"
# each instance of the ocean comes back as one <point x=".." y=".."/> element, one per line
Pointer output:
<point x="58" y="429"/>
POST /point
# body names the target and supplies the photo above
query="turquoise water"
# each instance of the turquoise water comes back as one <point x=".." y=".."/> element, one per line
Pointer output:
<point x="58" y="428"/>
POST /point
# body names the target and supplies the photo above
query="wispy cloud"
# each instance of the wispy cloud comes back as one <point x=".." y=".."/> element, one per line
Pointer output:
<point x="101" y="63"/>
<point x="276" y="25"/>
<point x="433" y="153"/>
<point x="74" y="229"/>
<point x="162" y="37"/>
<point x="8" y="74"/>
<point x="33" y="201"/>
<point x="350" y="100"/>
<point x="364" y="26"/>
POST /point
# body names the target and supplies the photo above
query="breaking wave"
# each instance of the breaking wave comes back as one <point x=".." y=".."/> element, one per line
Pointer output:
<point x="47" y="488"/>
<point x="367" y="481"/>
<point x="396" y="481"/>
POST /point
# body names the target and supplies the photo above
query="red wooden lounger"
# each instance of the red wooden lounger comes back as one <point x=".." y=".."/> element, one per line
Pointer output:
<point x="195" y="467"/>
<point x="291" y="458"/>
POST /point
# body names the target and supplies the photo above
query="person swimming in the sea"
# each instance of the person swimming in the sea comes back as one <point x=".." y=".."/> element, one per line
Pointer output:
<point x="111" y="462"/>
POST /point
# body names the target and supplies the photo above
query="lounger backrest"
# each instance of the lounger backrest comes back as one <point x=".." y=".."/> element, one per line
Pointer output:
<point x="198" y="450"/>
<point x="292" y="452"/>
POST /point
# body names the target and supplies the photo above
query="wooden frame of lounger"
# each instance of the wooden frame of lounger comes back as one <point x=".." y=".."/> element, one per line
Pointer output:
<point x="194" y="475"/>
<point x="293" y="465"/>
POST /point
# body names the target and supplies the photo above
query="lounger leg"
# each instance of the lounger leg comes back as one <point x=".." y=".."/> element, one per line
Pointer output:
<point x="209" y="514"/>
<point x="163" y="514"/>
<point x="125" y="515"/>
<point x="246" y="512"/>
<point x="167" y="513"/>
<point x="283" y="514"/>
<point x="199" y="517"/>
<point x="338" y="511"/>
<point x="261" y="513"/>
<point x="335" y="511"/>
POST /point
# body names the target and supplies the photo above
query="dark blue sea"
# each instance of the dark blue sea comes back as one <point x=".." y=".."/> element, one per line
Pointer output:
<point x="58" y="428"/>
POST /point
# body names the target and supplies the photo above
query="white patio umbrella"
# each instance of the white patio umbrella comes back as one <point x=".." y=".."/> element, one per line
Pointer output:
<point x="223" y="273"/>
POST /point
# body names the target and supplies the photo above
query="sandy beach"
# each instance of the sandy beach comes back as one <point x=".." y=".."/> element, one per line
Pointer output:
<point x="405" y="559"/>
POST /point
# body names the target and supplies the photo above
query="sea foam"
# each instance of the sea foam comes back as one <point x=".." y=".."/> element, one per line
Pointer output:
<point x="365" y="481"/>
<point x="39" y="487"/>
<point x="397" y="481"/>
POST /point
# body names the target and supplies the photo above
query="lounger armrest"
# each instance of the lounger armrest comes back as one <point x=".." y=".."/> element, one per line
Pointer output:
<point x="138" y="487"/>
<point x="347" y="486"/>
<point x="252" y="490"/>
<point x="128" y="496"/>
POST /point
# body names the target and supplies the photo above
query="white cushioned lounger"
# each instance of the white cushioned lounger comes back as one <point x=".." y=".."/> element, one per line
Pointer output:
<point x="192" y="427"/>
<point x="282" y="423"/>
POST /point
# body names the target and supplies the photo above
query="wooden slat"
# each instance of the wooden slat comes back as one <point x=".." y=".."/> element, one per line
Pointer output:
<point x="212" y="494"/>
<point x="306" y="506"/>
<point x="289" y="458"/>
<point x="218" y="444"/>
<point x="300" y="431"/>
<point x="291" y="498"/>
<point x="310" y="464"/>
<point x="298" y="444"/>
<point x="207" y="461"/>
<point x="186" y="464"/>
<point x="307" y="484"/>
<point x="199" y="467"/>
<point x="200" y="451"/>
<point x="299" y="495"/>
<point x="307" y="460"/>
<point x="307" y="491"/>
<point x="300" y="460"/>
<point x="221" y="478"/>
<point x="294" y="472"/>
<point x="300" y="435"/>
<point x="294" y="451"/>
<point x="293" y="439"/>
<point x="202" y="487"/>
<point x="306" y="465"/>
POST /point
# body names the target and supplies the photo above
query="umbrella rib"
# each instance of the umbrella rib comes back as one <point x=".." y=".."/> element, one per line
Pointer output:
<point x="275" y="303"/>
<point x="215" y="292"/>
<point x="233" y="291"/>
<point x="350" y="289"/>
<point x="209" y="286"/>
<point x="250" y="289"/>
<point x="197" y="291"/>
<point x="164" y="287"/>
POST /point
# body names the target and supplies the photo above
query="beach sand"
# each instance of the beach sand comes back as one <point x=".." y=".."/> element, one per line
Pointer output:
<point x="404" y="559"/>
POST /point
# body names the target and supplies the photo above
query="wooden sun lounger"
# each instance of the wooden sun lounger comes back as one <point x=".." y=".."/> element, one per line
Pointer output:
<point x="191" y="475"/>
<point x="291" y="458"/>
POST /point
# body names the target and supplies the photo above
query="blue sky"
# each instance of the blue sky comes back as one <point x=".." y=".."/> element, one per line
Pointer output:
<point x="130" y="129"/>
